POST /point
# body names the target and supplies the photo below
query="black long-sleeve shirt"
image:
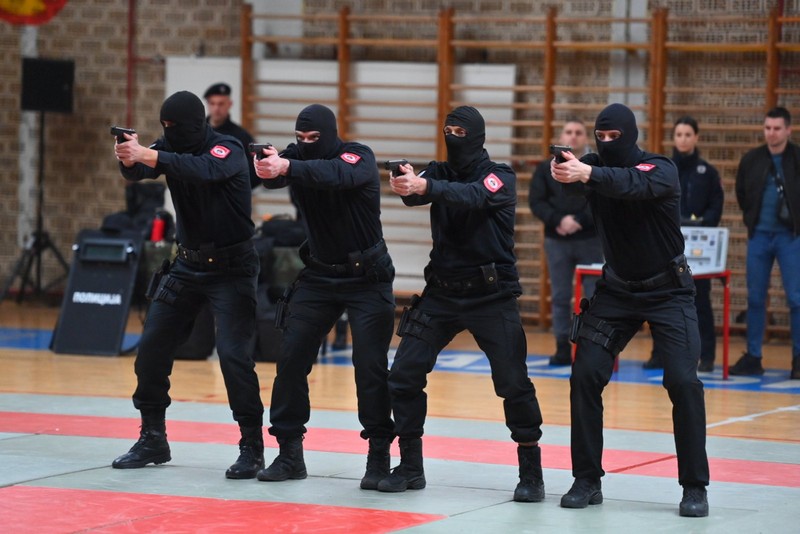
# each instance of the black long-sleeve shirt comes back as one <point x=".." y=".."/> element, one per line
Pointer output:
<point x="234" y="130"/>
<point x="210" y="191"/>
<point x="339" y="200"/>
<point x="637" y="213"/>
<point x="472" y="219"/>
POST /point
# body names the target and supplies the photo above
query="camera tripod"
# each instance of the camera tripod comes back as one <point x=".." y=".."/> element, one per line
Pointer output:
<point x="36" y="244"/>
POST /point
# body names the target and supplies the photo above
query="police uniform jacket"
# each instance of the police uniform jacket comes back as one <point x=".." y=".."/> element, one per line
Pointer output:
<point x="751" y="178"/>
<point x="338" y="199"/>
<point x="472" y="220"/>
<point x="234" y="130"/>
<point x="550" y="203"/>
<point x="637" y="213"/>
<point x="210" y="190"/>
<point x="701" y="190"/>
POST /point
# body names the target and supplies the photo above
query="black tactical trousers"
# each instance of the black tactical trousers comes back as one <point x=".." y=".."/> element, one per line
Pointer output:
<point x="705" y="320"/>
<point x="231" y="290"/>
<point x="315" y="304"/>
<point x="493" y="320"/>
<point x="670" y="311"/>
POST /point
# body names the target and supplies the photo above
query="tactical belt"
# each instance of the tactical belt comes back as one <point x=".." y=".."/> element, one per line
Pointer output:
<point x="487" y="276"/>
<point x="211" y="256"/>
<point x="676" y="267"/>
<point x="357" y="262"/>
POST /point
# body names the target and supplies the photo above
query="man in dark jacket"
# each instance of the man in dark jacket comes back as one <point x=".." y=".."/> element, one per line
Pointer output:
<point x="635" y="199"/>
<point x="336" y="188"/>
<point x="471" y="284"/>
<point x="768" y="184"/>
<point x="570" y="238"/>
<point x="217" y="263"/>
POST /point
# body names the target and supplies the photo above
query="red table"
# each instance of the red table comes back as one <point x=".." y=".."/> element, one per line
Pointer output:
<point x="724" y="276"/>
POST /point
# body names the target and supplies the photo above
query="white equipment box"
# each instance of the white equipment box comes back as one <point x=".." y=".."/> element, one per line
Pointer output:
<point x="706" y="248"/>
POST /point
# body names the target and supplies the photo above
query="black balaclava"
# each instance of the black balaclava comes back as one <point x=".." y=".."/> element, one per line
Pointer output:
<point x="621" y="152"/>
<point x="189" y="115"/>
<point x="318" y="118"/>
<point x="463" y="151"/>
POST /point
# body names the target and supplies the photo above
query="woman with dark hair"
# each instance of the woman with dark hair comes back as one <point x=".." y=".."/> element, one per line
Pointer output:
<point x="701" y="205"/>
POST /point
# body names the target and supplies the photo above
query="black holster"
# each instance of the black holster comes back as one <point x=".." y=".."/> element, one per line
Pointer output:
<point x="681" y="272"/>
<point x="282" y="308"/>
<point x="598" y="331"/>
<point x="403" y="324"/>
<point x="155" y="280"/>
<point x="577" y="321"/>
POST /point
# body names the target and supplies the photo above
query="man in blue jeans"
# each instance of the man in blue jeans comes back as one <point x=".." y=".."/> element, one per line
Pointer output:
<point x="768" y="176"/>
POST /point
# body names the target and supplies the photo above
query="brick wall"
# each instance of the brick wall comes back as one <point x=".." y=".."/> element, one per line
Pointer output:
<point x="82" y="180"/>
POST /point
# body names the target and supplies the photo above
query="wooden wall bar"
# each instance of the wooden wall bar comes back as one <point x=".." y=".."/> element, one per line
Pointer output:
<point x="539" y="107"/>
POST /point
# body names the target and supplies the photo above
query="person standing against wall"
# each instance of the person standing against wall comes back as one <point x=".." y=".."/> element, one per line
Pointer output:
<point x="570" y="238"/>
<point x="702" y="199"/>
<point x="768" y="192"/>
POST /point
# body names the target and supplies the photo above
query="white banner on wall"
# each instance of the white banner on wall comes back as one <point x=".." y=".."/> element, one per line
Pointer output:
<point x="287" y="77"/>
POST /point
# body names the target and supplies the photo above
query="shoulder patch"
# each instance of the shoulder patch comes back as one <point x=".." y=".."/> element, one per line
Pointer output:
<point x="645" y="167"/>
<point x="219" y="151"/>
<point x="492" y="183"/>
<point x="351" y="158"/>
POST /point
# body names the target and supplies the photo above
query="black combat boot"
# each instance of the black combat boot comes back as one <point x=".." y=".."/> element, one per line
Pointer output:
<point x="531" y="483"/>
<point x="378" y="460"/>
<point x="251" y="454"/>
<point x="409" y="474"/>
<point x="288" y="465"/>
<point x="152" y="447"/>
<point x="563" y="355"/>
<point x="694" y="502"/>
<point x="584" y="491"/>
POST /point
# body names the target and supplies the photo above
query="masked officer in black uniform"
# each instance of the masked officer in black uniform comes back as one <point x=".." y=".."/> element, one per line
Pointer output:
<point x="219" y="102"/>
<point x="471" y="284"/>
<point x="635" y="198"/>
<point x="336" y="187"/>
<point x="207" y="176"/>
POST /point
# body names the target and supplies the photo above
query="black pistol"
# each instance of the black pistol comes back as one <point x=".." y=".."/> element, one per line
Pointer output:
<point x="556" y="150"/>
<point x="119" y="131"/>
<point x="393" y="166"/>
<point x="258" y="150"/>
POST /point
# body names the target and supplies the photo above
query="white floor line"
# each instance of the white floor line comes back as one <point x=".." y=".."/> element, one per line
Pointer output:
<point x="751" y="417"/>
